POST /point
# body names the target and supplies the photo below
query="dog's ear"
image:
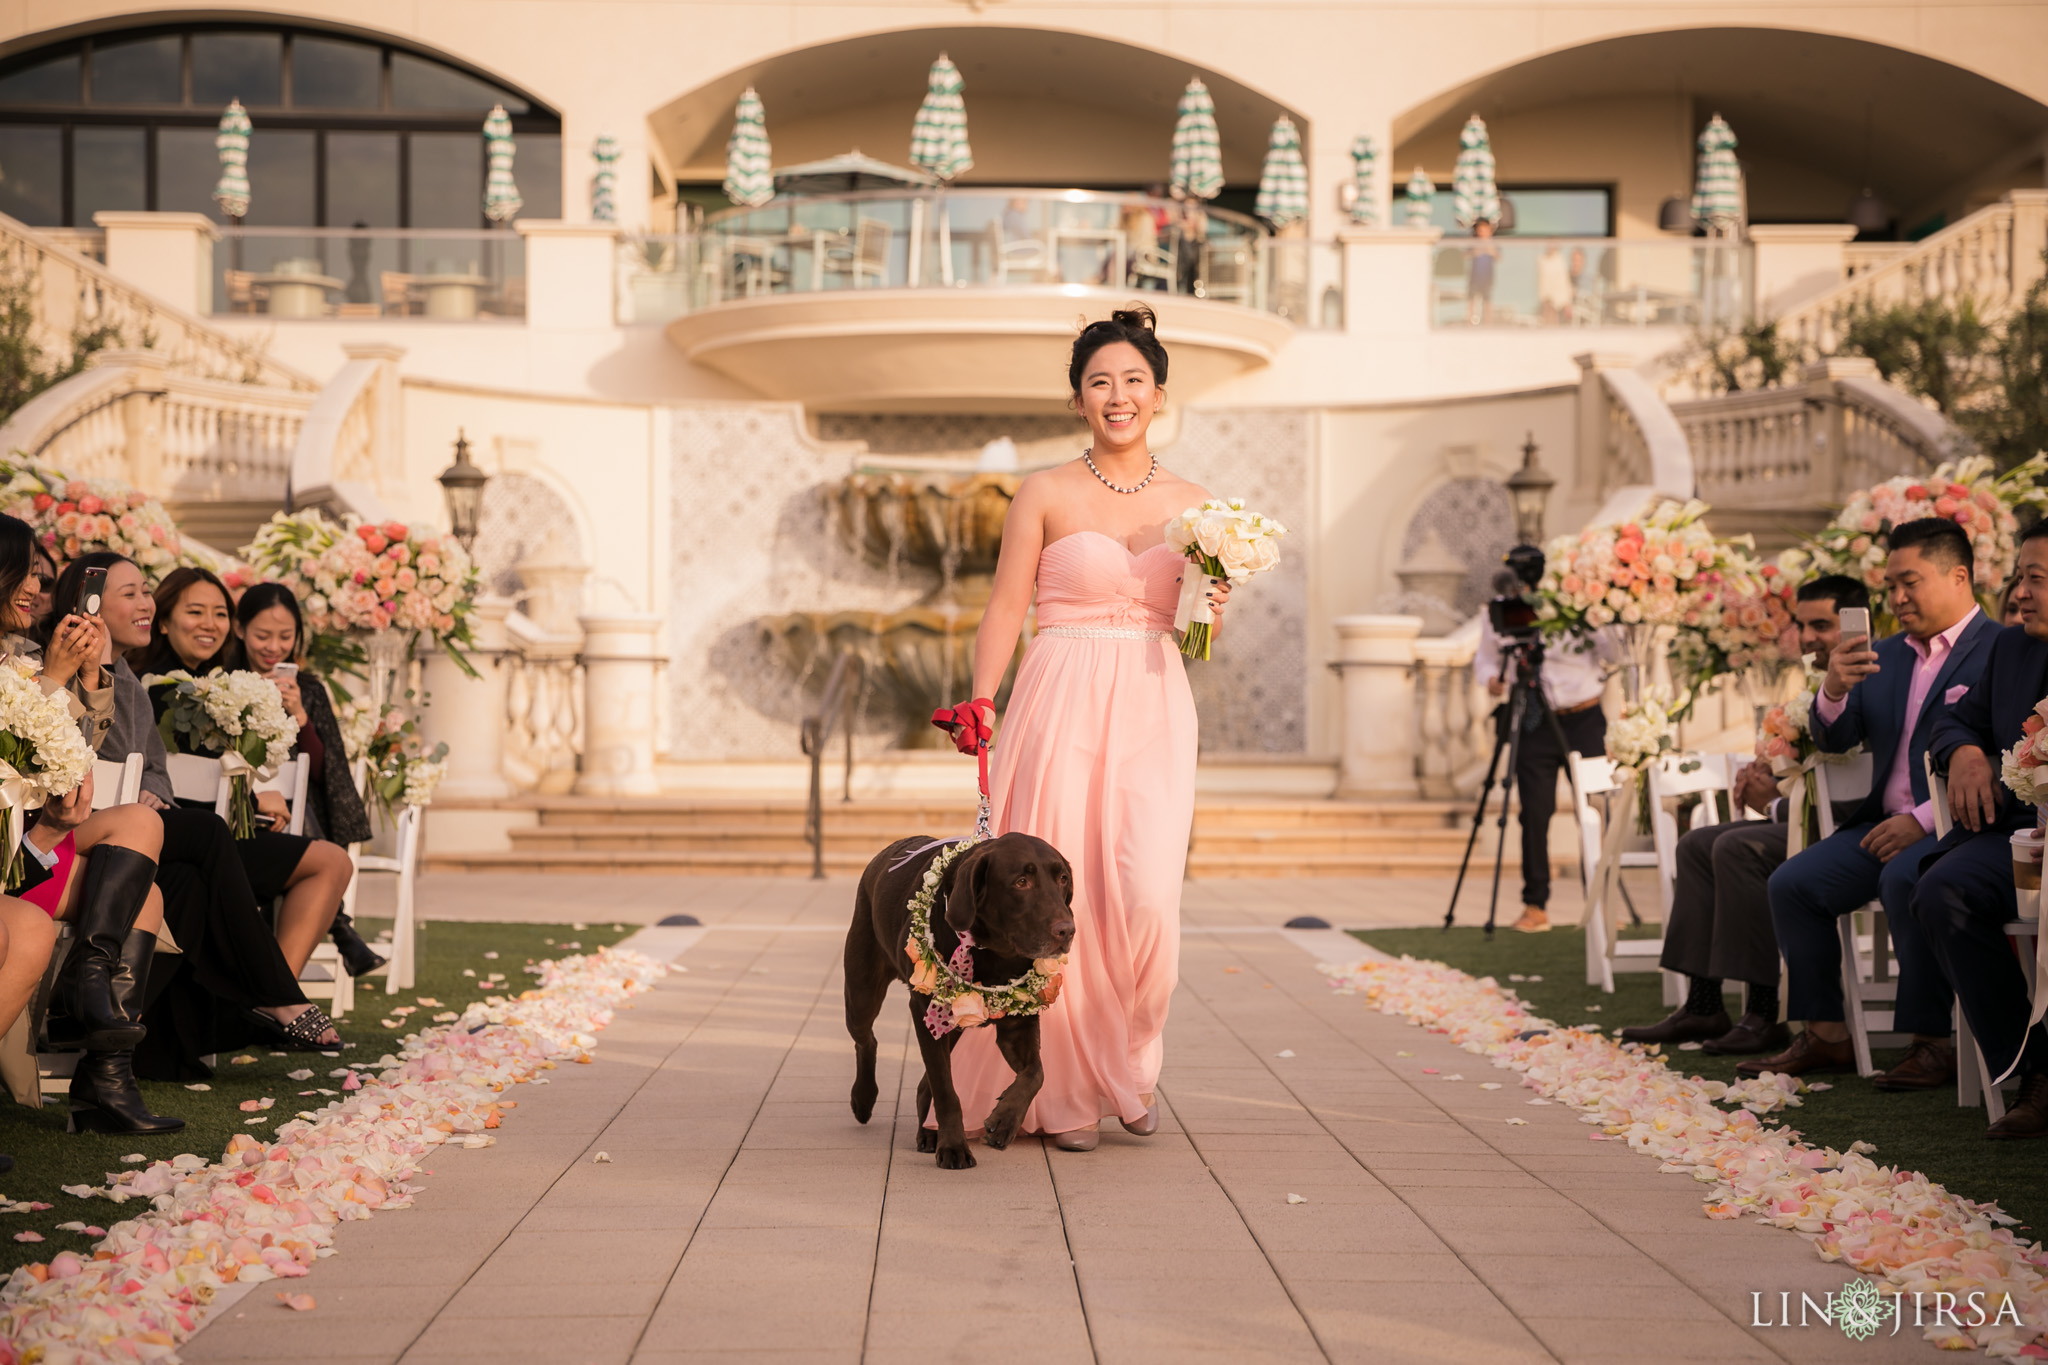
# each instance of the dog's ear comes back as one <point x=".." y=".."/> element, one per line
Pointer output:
<point x="969" y="889"/>
<point x="1067" y="881"/>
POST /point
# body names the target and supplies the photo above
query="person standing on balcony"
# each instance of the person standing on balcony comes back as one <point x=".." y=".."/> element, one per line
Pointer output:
<point x="1479" y="286"/>
<point x="1573" y="681"/>
<point x="1889" y="698"/>
<point x="1193" y="229"/>
<point x="1097" y="751"/>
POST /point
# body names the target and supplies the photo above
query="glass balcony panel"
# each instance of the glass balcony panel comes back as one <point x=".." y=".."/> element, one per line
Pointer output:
<point x="916" y="238"/>
<point x="1589" y="282"/>
<point x="374" y="273"/>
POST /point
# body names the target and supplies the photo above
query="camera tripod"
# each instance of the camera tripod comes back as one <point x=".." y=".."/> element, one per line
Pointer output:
<point x="1510" y="719"/>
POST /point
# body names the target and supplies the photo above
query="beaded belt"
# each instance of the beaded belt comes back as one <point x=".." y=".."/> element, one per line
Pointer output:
<point x="1105" y="633"/>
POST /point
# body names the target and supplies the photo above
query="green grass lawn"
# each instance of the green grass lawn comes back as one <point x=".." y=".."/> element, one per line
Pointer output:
<point x="46" y="1157"/>
<point x="1923" y="1131"/>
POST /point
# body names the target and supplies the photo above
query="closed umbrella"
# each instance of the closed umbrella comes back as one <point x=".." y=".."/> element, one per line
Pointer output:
<point x="938" y="139"/>
<point x="1419" y="202"/>
<point x="501" y="193"/>
<point x="1365" y="209"/>
<point x="232" y="190"/>
<point x="747" y="179"/>
<point x="603" y="206"/>
<point x="1283" y="180"/>
<point x="1477" y="196"/>
<point x="1197" y="151"/>
<point x="1717" y="187"/>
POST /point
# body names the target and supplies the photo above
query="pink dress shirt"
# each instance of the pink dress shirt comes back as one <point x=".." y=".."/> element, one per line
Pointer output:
<point x="1898" y="785"/>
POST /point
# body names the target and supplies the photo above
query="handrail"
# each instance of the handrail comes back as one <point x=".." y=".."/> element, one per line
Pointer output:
<point x="842" y="685"/>
<point x="716" y="222"/>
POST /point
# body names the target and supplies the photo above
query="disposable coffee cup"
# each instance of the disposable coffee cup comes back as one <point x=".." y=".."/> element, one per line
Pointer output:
<point x="2026" y="860"/>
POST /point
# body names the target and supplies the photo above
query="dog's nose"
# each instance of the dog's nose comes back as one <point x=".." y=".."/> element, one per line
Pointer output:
<point x="1063" y="930"/>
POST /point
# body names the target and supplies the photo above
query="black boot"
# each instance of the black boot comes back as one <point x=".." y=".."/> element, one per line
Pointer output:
<point x="356" y="955"/>
<point x="104" y="1098"/>
<point x="117" y="882"/>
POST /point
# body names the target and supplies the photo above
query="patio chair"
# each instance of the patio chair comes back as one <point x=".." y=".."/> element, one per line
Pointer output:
<point x="1154" y="263"/>
<point x="866" y="257"/>
<point x="401" y="293"/>
<point x="1602" y="859"/>
<point x="1228" y="273"/>
<point x="244" y="294"/>
<point x="1024" y="256"/>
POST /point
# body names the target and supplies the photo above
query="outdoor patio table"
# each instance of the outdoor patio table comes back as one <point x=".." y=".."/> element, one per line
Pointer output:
<point x="297" y="294"/>
<point x="451" y="296"/>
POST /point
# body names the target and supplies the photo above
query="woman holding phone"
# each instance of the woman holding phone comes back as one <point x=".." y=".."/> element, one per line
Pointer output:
<point x="272" y="636"/>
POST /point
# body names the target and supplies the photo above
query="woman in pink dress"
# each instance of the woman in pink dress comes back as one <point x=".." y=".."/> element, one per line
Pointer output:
<point x="1097" y="750"/>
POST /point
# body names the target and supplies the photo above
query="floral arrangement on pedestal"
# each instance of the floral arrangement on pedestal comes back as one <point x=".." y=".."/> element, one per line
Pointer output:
<point x="73" y="517"/>
<point x="398" y="769"/>
<point x="1785" y="741"/>
<point x="237" y="717"/>
<point x="1968" y="491"/>
<point x="359" y="576"/>
<point x="42" y="755"/>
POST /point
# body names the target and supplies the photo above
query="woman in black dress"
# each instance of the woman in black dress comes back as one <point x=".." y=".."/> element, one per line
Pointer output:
<point x="272" y="636"/>
<point x="192" y="631"/>
<point x="232" y="985"/>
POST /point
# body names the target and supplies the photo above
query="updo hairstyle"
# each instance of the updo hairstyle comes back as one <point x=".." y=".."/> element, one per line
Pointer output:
<point x="1134" y="324"/>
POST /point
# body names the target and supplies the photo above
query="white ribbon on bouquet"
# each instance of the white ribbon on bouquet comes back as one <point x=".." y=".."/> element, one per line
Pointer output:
<point x="1194" y="599"/>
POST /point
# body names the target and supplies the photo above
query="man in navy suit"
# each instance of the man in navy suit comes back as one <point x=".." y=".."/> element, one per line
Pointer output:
<point x="1886" y="698"/>
<point x="1965" y="895"/>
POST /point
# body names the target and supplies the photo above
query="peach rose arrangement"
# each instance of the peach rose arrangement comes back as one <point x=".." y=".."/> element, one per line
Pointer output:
<point x="2021" y="769"/>
<point x="73" y="517"/>
<point x="957" y="999"/>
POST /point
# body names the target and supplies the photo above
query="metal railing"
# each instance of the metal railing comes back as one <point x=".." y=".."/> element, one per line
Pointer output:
<point x="842" y="691"/>
<point x="448" y="276"/>
<point x="1589" y="282"/>
<point x="1130" y="244"/>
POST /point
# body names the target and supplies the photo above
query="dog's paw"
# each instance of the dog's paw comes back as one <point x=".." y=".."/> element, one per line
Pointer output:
<point x="864" y="1100"/>
<point x="999" y="1129"/>
<point x="927" y="1140"/>
<point x="955" y="1158"/>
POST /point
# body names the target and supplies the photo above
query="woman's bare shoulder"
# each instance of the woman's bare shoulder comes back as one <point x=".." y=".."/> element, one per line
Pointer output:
<point x="1182" y="488"/>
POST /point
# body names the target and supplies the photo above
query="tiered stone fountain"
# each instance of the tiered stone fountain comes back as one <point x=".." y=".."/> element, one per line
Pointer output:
<point x="921" y="657"/>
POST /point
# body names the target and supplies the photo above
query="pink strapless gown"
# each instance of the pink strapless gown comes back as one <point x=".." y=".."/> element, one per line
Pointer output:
<point x="1096" y="756"/>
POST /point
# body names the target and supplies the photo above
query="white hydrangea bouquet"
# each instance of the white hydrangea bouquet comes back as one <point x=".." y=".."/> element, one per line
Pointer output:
<point x="1223" y="540"/>
<point x="236" y="717"/>
<point x="42" y="755"/>
<point x="2021" y="769"/>
<point x="1644" y="733"/>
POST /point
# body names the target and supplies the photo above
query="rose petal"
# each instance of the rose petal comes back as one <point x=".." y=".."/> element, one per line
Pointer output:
<point x="298" y="1303"/>
<point x="1296" y="1199"/>
<point x="28" y="1236"/>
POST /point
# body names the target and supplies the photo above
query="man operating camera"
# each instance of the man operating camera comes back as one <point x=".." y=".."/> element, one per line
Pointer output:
<point x="1568" y="682"/>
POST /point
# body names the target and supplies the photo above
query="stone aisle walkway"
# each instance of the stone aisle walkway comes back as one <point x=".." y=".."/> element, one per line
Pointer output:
<point x="745" y="1216"/>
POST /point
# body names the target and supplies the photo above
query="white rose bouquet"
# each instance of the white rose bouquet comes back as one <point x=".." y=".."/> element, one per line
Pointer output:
<point x="42" y="755"/>
<point x="1644" y="733"/>
<point x="238" y="718"/>
<point x="1223" y="540"/>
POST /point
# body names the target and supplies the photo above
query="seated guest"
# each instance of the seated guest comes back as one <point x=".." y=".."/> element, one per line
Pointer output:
<point x="27" y="936"/>
<point x="1965" y="896"/>
<point x="192" y="631"/>
<point x="270" y="632"/>
<point x="232" y="985"/>
<point x="1887" y="698"/>
<point x="1720" y="923"/>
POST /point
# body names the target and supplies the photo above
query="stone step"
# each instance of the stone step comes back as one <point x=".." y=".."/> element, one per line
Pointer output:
<point x="788" y="838"/>
<point x="884" y="816"/>
<point x="709" y="864"/>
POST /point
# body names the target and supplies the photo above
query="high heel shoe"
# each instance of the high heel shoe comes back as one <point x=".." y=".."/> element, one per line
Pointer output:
<point x="357" y="956"/>
<point x="1079" y="1140"/>
<point x="117" y="882"/>
<point x="1146" y="1126"/>
<point x="104" y="1098"/>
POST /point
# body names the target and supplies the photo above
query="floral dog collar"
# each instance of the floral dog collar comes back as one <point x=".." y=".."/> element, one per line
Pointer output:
<point x="958" y="1000"/>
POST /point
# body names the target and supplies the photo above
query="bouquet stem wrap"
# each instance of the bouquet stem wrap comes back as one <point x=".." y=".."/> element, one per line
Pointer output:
<point x="1193" y="617"/>
<point x="241" y="794"/>
<point x="10" y="855"/>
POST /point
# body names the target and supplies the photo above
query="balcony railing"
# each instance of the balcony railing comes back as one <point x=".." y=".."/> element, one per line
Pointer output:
<point x="450" y="276"/>
<point x="922" y="239"/>
<point x="1589" y="282"/>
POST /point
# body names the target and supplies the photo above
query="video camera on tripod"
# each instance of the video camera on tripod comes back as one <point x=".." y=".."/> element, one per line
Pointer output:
<point x="1512" y="612"/>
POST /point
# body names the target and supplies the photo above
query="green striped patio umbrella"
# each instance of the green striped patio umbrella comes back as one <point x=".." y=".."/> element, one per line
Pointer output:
<point x="501" y="193"/>
<point x="1365" y="209"/>
<point x="1197" y="152"/>
<point x="748" y="181"/>
<point x="1477" y="196"/>
<point x="938" y="140"/>
<point x="603" y="205"/>
<point x="1717" y="187"/>
<point x="1283" y="180"/>
<point x="232" y="190"/>
<point x="1419" y="202"/>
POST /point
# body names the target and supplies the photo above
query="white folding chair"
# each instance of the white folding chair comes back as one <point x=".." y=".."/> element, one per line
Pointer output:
<point x="1672" y="778"/>
<point x="1602" y="857"/>
<point x="1870" y="991"/>
<point x="401" y="948"/>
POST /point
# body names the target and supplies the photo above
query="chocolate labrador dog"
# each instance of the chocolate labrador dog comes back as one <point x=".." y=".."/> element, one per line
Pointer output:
<point x="1015" y="895"/>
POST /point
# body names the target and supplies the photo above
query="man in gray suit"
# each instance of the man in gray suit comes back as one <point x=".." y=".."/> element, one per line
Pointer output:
<point x="1720" y="925"/>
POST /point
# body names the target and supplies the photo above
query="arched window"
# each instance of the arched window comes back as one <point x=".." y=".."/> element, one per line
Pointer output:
<point x="348" y="131"/>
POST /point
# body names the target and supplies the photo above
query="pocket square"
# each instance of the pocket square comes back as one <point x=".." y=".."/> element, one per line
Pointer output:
<point x="1954" y="694"/>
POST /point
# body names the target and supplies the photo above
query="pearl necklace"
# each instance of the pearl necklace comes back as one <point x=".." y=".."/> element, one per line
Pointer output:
<point x="1088" y="458"/>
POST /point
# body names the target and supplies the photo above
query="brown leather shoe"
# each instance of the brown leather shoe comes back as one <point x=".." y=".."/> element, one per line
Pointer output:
<point x="1807" y="1055"/>
<point x="2028" y="1115"/>
<point x="1929" y="1066"/>
<point x="1752" y="1034"/>
<point x="1533" y="921"/>
<point x="1679" y="1027"/>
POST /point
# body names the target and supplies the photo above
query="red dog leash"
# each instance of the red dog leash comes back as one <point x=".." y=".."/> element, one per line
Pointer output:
<point x="975" y="720"/>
